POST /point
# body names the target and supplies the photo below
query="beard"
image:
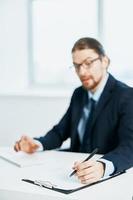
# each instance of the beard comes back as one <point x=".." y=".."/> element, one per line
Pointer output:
<point x="90" y="83"/>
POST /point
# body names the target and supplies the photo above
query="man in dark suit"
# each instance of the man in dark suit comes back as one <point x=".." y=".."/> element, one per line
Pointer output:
<point x="100" y="115"/>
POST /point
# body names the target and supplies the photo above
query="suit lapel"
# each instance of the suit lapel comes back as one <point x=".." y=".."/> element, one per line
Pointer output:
<point x="105" y="97"/>
<point x="82" y="100"/>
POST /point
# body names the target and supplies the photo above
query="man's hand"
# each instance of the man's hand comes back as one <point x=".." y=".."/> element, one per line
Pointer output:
<point x="89" y="171"/>
<point x="26" y="144"/>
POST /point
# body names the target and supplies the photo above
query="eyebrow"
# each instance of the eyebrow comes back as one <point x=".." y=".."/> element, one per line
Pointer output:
<point x="83" y="60"/>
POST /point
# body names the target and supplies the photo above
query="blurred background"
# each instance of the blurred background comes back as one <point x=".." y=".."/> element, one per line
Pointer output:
<point x="36" y="37"/>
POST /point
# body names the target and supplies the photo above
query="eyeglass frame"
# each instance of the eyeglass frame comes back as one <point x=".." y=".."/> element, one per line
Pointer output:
<point x="88" y="65"/>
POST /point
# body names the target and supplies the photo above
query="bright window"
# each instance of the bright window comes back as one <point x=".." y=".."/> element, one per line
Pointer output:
<point x="118" y="37"/>
<point x="56" y="25"/>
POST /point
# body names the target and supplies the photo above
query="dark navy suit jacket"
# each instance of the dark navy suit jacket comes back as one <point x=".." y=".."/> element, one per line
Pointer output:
<point x="111" y="129"/>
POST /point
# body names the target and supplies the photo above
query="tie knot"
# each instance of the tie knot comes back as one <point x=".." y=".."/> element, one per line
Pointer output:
<point x="92" y="100"/>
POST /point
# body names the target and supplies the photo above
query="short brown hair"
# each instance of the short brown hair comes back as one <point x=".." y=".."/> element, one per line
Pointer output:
<point x="89" y="43"/>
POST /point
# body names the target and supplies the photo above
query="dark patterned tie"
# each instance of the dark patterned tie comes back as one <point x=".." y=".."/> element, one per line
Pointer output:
<point x="85" y="146"/>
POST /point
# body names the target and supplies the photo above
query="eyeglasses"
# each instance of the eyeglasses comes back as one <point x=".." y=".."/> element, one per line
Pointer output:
<point x="86" y="64"/>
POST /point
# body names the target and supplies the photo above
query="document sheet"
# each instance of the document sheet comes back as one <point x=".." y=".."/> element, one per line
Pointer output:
<point x="21" y="159"/>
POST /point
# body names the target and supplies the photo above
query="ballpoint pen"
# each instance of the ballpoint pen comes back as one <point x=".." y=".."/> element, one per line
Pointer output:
<point x="90" y="156"/>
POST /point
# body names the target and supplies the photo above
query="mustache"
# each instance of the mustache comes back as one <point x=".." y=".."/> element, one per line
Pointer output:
<point x="85" y="78"/>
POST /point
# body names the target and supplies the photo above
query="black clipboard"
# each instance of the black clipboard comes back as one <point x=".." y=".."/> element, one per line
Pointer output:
<point x="69" y="191"/>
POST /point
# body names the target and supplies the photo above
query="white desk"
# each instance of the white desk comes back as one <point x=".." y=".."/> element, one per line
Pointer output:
<point x="11" y="186"/>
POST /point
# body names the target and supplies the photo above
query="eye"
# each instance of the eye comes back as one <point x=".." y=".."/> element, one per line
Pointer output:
<point x="77" y="66"/>
<point x="88" y="62"/>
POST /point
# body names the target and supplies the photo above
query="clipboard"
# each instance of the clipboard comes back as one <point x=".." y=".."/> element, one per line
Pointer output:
<point x="48" y="185"/>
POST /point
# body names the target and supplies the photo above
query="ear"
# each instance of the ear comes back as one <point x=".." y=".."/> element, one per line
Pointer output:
<point x="105" y="62"/>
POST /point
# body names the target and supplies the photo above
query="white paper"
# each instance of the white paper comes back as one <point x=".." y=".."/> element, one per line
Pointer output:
<point x="21" y="159"/>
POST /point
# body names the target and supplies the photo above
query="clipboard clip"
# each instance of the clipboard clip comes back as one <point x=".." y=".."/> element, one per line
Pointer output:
<point x="46" y="184"/>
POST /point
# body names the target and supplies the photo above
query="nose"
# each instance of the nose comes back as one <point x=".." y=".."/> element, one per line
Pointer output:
<point x="82" y="70"/>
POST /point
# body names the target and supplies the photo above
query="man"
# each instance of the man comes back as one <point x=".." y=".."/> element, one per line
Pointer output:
<point x="100" y="116"/>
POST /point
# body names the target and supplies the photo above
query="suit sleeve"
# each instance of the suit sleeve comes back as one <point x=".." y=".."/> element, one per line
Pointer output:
<point x="122" y="155"/>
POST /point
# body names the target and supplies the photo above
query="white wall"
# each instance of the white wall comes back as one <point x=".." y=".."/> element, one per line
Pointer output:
<point x="28" y="115"/>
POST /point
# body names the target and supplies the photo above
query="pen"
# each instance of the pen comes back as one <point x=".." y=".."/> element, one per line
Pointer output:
<point x="90" y="156"/>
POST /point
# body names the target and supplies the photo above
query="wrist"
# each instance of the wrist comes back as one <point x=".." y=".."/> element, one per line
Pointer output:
<point x="102" y="168"/>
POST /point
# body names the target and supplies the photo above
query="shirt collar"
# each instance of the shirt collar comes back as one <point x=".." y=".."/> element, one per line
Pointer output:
<point x="96" y="95"/>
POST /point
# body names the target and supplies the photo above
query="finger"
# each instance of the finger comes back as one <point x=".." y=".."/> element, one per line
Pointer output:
<point x="23" y="145"/>
<point x="93" y="172"/>
<point x="86" y="164"/>
<point x="75" y="165"/>
<point x="85" y="171"/>
<point x="87" y="176"/>
<point x="34" y="145"/>
<point x="25" y="141"/>
<point x="33" y="148"/>
<point x="29" y="146"/>
<point x="28" y="140"/>
<point x="25" y="138"/>
<point x="89" y="181"/>
<point x="17" y="147"/>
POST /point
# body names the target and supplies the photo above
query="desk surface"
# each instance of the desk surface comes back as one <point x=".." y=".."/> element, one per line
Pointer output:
<point x="11" y="186"/>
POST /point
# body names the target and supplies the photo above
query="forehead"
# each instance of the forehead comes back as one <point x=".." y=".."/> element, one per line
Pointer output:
<point x="80" y="55"/>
